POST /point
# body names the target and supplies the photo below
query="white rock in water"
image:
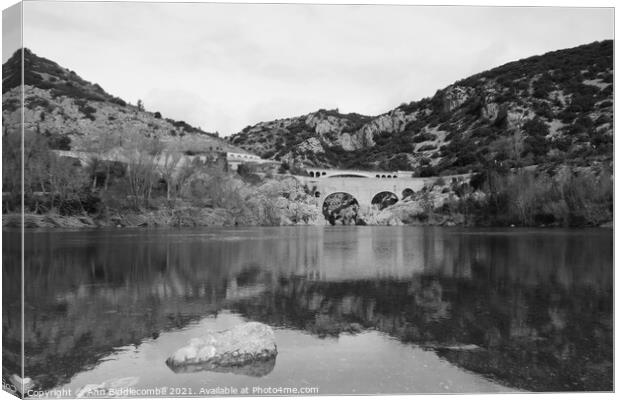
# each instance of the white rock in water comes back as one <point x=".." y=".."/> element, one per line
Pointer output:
<point x="224" y="351"/>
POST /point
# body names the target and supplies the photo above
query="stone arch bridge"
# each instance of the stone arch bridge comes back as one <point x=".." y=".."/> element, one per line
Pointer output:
<point x="365" y="185"/>
<point x="339" y="173"/>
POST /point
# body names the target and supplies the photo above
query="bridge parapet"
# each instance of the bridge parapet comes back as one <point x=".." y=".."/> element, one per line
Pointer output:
<point x="350" y="173"/>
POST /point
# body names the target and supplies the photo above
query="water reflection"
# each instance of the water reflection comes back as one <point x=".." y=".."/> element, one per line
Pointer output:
<point x="531" y="309"/>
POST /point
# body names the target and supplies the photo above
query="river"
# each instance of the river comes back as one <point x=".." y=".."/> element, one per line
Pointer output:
<point x="356" y="310"/>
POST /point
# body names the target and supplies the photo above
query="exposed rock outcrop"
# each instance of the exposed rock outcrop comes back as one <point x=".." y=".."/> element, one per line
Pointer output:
<point x="456" y="96"/>
<point x="312" y="145"/>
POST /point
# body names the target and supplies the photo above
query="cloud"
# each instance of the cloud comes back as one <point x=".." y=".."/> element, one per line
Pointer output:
<point x="225" y="66"/>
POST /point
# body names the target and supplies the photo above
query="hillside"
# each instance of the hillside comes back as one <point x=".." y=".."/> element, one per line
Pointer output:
<point x="549" y="110"/>
<point x="74" y="113"/>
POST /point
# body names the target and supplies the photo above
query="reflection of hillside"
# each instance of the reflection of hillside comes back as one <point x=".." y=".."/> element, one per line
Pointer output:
<point x="536" y="338"/>
<point x="89" y="295"/>
<point x="78" y="329"/>
<point x="82" y="305"/>
<point x="11" y="304"/>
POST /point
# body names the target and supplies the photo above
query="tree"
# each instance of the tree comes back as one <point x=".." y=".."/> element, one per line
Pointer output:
<point x="65" y="183"/>
<point x="184" y="177"/>
<point x="516" y="145"/>
<point x="284" y="168"/>
<point x="101" y="146"/>
<point x="168" y="167"/>
<point x="141" y="155"/>
<point x="36" y="151"/>
<point x="92" y="168"/>
<point x="46" y="175"/>
<point x="140" y="105"/>
<point x="427" y="203"/>
<point x="12" y="167"/>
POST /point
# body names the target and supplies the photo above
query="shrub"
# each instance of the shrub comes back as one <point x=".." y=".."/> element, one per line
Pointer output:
<point x="399" y="162"/>
<point x="58" y="141"/>
<point x="543" y="110"/>
<point x="426" y="171"/>
<point x="284" y="168"/>
<point x="581" y="103"/>
<point x="11" y="105"/>
<point x="542" y="86"/>
<point x="536" y="127"/>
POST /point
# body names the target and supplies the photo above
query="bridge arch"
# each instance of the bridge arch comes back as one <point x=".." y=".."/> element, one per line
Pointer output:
<point x="340" y="207"/>
<point x="384" y="199"/>
<point x="407" y="192"/>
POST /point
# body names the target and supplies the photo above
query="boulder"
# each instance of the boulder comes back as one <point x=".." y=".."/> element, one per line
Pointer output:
<point x="247" y="349"/>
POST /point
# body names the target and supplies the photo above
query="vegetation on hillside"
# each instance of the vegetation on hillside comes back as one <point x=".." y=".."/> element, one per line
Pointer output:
<point x="168" y="186"/>
<point x="526" y="198"/>
<point x="554" y="109"/>
<point x="51" y="92"/>
<point x="46" y="74"/>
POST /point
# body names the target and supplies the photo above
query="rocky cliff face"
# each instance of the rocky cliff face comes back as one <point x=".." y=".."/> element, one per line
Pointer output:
<point x="75" y="114"/>
<point x="310" y="135"/>
<point x="545" y="110"/>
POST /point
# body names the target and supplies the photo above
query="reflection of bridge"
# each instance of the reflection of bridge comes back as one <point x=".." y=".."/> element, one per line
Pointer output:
<point x="365" y="185"/>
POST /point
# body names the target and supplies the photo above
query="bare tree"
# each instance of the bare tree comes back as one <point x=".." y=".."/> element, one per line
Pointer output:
<point x="92" y="167"/>
<point x="169" y="168"/>
<point x="100" y="146"/>
<point x="65" y="181"/>
<point x="141" y="155"/>
<point x="517" y="140"/>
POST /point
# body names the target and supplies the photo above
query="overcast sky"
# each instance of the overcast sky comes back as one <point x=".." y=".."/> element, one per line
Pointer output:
<point x="225" y="66"/>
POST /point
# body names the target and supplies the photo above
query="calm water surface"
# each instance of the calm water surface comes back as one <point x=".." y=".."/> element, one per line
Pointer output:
<point x="355" y="309"/>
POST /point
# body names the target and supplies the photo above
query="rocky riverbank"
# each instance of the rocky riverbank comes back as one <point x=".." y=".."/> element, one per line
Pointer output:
<point x="395" y="216"/>
<point x="174" y="218"/>
<point x="170" y="218"/>
<point x="284" y="203"/>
